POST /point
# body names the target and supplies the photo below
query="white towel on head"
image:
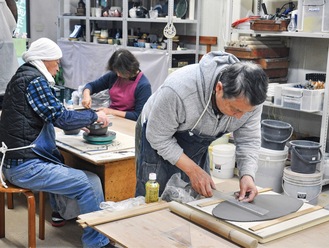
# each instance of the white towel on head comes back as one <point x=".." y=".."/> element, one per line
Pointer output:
<point x="42" y="49"/>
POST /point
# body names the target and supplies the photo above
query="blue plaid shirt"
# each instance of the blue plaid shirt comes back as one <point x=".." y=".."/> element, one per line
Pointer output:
<point x="42" y="99"/>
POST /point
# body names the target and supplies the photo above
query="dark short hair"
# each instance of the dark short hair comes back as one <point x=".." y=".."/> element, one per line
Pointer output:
<point x="124" y="62"/>
<point x="244" y="79"/>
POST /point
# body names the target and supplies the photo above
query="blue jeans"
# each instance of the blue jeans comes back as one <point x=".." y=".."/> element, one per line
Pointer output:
<point x="54" y="178"/>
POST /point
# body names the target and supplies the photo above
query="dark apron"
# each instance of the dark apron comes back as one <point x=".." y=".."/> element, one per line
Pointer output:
<point x="194" y="146"/>
<point x="45" y="144"/>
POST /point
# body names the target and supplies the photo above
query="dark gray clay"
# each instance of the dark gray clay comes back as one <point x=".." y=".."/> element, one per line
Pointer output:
<point x="72" y="132"/>
<point x="97" y="129"/>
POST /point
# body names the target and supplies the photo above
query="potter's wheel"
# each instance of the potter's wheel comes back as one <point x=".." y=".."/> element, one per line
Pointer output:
<point x="99" y="139"/>
<point x="278" y="205"/>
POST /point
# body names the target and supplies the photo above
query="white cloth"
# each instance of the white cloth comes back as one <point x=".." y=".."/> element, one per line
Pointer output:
<point x="43" y="49"/>
<point x="7" y="22"/>
<point x="8" y="59"/>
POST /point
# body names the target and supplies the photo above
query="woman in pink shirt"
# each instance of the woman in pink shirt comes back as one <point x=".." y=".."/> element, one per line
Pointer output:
<point x="128" y="87"/>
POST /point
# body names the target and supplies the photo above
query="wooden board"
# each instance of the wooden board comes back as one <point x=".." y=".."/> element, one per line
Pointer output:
<point x="256" y="53"/>
<point x="161" y="228"/>
<point x="122" y="147"/>
<point x="158" y="229"/>
<point x="269" y="25"/>
<point x="276" y="231"/>
<point x="273" y="63"/>
<point x="276" y="73"/>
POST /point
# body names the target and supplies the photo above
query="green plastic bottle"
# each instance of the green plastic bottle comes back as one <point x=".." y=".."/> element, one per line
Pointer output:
<point x="152" y="189"/>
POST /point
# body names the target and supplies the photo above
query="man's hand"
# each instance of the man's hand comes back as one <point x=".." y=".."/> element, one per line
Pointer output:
<point x="102" y="117"/>
<point x="200" y="180"/>
<point x="248" y="189"/>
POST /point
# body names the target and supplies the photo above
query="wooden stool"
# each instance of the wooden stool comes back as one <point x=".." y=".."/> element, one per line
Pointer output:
<point x="12" y="189"/>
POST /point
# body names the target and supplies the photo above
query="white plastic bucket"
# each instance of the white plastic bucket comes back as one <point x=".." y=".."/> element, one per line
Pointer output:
<point x="223" y="160"/>
<point x="306" y="187"/>
<point x="222" y="140"/>
<point x="270" y="168"/>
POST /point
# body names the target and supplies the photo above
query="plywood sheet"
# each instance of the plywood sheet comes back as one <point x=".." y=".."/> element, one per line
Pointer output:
<point x="121" y="142"/>
<point x="161" y="229"/>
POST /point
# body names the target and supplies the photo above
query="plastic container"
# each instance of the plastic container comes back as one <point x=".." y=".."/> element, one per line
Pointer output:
<point x="313" y="16"/>
<point x="222" y="140"/>
<point x="223" y="160"/>
<point x="275" y="134"/>
<point x="288" y="96"/>
<point x="302" y="99"/>
<point x="305" y="155"/>
<point x="325" y="18"/>
<point x="306" y="187"/>
<point x="152" y="189"/>
<point x="270" y="168"/>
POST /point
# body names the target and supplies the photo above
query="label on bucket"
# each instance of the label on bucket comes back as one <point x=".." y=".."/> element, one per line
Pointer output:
<point x="224" y="169"/>
<point x="302" y="195"/>
<point x="223" y="157"/>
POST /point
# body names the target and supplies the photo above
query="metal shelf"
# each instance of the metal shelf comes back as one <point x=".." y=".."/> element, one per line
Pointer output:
<point x="316" y="35"/>
<point x="284" y="33"/>
<point x="270" y="104"/>
<point x="125" y="20"/>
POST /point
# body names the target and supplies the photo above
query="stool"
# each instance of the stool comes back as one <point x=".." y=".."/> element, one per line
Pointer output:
<point x="12" y="189"/>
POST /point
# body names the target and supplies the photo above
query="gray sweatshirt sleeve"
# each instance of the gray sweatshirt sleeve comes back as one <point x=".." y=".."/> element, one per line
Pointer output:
<point x="247" y="140"/>
<point x="166" y="114"/>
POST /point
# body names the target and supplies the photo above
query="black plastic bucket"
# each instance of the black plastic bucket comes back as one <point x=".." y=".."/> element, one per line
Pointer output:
<point x="305" y="155"/>
<point x="275" y="134"/>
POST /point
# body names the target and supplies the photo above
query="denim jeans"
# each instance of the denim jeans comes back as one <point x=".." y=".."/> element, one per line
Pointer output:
<point x="54" y="178"/>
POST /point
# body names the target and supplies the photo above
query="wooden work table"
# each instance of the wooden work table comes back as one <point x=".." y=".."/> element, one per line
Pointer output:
<point x="161" y="226"/>
<point x="116" y="169"/>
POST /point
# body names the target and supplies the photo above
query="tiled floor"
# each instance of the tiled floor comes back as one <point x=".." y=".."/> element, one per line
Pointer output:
<point x="69" y="235"/>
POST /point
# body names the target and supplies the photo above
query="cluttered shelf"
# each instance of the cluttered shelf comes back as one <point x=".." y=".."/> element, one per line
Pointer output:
<point x="283" y="33"/>
<point x="272" y="105"/>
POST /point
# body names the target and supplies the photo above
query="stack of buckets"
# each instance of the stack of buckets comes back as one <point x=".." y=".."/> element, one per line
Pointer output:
<point x="302" y="180"/>
<point x="273" y="154"/>
<point x="222" y="158"/>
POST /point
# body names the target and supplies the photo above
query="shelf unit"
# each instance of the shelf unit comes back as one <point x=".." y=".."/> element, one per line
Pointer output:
<point x="124" y="22"/>
<point x="295" y="35"/>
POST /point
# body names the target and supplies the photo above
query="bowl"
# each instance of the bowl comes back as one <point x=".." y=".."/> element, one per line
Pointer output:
<point x="72" y="132"/>
<point x="97" y="129"/>
<point x="102" y="40"/>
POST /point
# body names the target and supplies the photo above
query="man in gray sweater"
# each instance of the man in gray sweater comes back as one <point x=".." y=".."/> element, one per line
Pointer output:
<point x="196" y="105"/>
